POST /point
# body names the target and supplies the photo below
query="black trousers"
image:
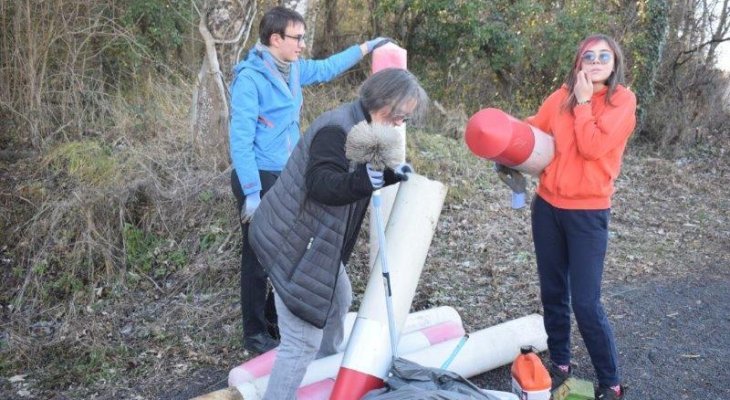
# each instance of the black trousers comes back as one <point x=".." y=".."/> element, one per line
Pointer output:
<point x="570" y="246"/>
<point x="257" y="299"/>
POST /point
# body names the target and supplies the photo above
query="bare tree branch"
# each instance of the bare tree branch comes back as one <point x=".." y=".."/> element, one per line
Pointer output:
<point x="696" y="49"/>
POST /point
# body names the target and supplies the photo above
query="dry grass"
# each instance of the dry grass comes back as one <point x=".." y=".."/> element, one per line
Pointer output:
<point x="126" y="214"/>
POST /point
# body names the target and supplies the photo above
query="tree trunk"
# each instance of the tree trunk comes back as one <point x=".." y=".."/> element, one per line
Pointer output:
<point x="721" y="30"/>
<point x="225" y="26"/>
<point x="327" y="42"/>
<point x="309" y="10"/>
<point x="654" y="28"/>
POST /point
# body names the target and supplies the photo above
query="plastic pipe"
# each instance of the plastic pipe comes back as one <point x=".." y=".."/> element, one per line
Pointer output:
<point x="488" y="348"/>
<point x="497" y="136"/>
<point x="327" y="368"/>
<point x="408" y="234"/>
<point x="262" y="365"/>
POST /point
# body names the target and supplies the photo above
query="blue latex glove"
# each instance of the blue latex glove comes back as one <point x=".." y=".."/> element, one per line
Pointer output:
<point x="249" y="206"/>
<point x="376" y="177"/>
<point x="518" y="200"/>
<point x="377" y="42"/>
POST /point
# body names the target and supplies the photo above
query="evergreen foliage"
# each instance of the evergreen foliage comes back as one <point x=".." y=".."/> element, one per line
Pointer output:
<point x="647" y="47"/>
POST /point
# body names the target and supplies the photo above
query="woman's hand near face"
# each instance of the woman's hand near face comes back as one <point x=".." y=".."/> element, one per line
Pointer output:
<point x="583" y="87"/>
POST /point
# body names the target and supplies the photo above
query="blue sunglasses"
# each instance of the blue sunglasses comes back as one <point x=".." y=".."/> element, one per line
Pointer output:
<point x="590" y="57"/>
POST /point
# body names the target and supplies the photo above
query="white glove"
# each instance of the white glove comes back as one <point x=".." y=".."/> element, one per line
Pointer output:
<point x="249" y="206"/>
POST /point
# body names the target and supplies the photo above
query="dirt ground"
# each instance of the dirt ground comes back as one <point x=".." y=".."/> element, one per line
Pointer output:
<point x="666" y="287"/>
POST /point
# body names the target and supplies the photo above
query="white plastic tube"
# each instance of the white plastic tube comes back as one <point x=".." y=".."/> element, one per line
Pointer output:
<point x="408" y="234"/>
<point x="488" y="348"/>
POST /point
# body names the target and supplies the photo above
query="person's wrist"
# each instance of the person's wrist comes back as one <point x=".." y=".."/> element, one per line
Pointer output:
<point x="581" y="102"/>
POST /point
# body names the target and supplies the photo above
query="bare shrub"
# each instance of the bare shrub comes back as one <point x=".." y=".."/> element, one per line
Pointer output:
<point x="692" y="109"/>
<point x="449" y="123"/>
<point x="57" y="79"/>
<point x="325" y="97"/>
<point x="117" y="213"/>
<point x="100" y="186"/>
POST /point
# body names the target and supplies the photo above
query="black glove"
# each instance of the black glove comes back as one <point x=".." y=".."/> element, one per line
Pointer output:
<point x="397" y="174"/>
<point x="512" y="178"/>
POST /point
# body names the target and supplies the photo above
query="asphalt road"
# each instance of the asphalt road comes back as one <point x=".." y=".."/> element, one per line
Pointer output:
<point x="673" y="337"/>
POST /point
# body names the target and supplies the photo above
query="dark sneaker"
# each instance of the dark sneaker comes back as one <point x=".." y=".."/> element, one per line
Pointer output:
<point x="259" y="343"/>
<point x="606" y="393"/>
<point x="558" y="376"/>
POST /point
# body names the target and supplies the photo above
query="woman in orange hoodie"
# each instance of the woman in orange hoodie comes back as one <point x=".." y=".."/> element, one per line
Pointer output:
<point x="591" y="117"/>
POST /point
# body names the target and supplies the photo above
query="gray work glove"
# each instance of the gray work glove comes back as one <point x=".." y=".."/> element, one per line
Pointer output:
<point x="512" y="178"/>
<point x="376" y="177"/>
<point x="249" y="206"/>
<point x="377" y="42"/>
<point x="516" y="181"/>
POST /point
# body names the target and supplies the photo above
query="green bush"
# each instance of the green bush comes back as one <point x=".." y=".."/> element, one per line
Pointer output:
<point x="505" y="53"/>
<point x="150" y="253"/>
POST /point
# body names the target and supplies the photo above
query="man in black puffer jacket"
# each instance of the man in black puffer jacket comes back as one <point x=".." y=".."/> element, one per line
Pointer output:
<point x="305" y="229"/>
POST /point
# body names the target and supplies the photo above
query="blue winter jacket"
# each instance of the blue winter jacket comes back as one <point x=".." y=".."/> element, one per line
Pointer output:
<point x="265" y="110"/>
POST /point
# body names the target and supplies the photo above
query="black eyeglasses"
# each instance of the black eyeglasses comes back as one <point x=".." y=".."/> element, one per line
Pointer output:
<point x="603" y="57"/>
<point x="298" y="38"/>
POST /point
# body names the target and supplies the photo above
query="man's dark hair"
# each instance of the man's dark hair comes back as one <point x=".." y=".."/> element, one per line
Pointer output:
<point x="275" y="21"/>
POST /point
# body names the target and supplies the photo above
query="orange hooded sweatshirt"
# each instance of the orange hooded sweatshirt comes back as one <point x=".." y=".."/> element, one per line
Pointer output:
<point x="589" y="146"/>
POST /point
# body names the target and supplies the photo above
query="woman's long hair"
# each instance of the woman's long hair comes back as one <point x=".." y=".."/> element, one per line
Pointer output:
<point x="616" y="77"/>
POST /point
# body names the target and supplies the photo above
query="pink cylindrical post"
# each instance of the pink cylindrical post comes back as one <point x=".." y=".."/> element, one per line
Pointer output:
<point x="389" y="55"/>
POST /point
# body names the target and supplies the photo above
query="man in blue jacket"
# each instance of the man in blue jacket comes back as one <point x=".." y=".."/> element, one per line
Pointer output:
<point x="266" y="101"/>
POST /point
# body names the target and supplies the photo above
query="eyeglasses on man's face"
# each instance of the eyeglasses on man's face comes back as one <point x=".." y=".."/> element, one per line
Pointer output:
<point x="590" y="57"/>
<point x="298" y="38"/>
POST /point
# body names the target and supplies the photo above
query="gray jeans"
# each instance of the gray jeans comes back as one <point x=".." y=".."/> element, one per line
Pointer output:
<point x="302" y="342"/>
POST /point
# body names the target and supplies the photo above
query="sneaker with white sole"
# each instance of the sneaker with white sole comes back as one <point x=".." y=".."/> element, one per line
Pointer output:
<point x="606" y="393"/>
